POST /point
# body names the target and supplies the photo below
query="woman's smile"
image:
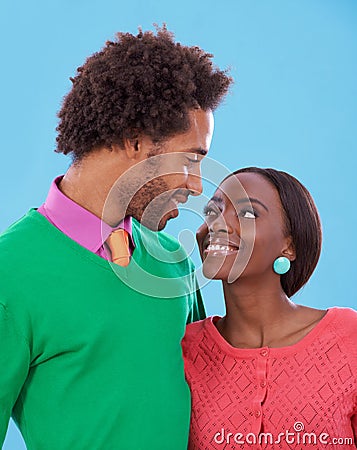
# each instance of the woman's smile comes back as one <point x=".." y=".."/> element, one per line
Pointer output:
<point x="218" y="246"/>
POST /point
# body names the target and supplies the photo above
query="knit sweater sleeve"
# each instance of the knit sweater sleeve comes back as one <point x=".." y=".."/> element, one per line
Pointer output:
<point x="354" y="427"/>
<point x="14" y="364"/>
<point x="347" y="326"/>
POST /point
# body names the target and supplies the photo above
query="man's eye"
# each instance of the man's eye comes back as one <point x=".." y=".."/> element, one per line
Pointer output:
<point x="192" y="161"/>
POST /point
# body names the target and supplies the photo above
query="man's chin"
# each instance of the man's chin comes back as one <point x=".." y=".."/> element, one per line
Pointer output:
<point x="152" y="223"/>
<point x="154" y="220"/>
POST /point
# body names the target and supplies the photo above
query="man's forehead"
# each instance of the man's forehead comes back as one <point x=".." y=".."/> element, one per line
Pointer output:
<point x="197" y="138"/>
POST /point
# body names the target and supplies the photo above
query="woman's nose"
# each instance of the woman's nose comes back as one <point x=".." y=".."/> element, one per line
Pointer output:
<point x="219" y="225"/>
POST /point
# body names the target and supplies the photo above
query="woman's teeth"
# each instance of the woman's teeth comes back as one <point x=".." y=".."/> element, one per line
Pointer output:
<point x="222" y="248"/>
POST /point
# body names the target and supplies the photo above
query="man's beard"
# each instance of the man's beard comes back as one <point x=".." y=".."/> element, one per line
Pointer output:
<point x="151" y="206"/>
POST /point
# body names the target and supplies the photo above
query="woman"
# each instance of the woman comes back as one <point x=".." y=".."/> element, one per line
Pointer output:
<point x="270" y="374"/>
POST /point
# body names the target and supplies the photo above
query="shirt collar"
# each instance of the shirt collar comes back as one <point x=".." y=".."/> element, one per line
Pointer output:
<point x="76" y="222"/>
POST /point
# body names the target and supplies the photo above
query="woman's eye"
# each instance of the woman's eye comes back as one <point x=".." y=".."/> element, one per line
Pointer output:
<point x="209" y="212"/>
<point x="247" y="214"/>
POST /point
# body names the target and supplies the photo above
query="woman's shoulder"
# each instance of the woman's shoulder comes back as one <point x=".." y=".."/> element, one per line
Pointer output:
<point x="345" y="316"/>
<point x="195" y="328"/>
<point x="344" y="321"/>
<point x="196" y="333"/>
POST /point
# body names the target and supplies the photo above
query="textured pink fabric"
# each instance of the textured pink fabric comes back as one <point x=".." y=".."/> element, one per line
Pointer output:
<point x="79" y="224"/>
<point x="311" y="385"/>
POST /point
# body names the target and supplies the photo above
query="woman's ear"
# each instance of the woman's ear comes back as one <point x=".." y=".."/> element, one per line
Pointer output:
<point x="289" y="250"/>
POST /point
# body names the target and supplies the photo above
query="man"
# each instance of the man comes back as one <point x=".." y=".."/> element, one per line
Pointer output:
<point x="94" y="297"/>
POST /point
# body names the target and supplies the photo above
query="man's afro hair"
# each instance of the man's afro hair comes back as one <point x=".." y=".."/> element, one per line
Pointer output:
<point x="137" y="85"/>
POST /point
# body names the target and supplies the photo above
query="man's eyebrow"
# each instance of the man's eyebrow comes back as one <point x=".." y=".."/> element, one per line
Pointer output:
<point x="252" y="200"/>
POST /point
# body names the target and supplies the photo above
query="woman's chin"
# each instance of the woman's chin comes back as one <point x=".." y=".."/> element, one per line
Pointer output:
<point x="213" y="270"/>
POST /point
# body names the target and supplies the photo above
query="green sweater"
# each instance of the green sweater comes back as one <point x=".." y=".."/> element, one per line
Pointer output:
<point x="90" y="354"/>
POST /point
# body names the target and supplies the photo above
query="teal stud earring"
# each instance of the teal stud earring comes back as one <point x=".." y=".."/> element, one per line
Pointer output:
<point x="281" y="265"/>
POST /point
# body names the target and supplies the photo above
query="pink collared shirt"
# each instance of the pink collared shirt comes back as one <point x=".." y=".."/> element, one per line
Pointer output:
<point x="77" y="223"/>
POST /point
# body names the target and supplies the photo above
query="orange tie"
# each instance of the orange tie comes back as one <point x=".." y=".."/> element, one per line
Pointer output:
<point x="118" y="242"/>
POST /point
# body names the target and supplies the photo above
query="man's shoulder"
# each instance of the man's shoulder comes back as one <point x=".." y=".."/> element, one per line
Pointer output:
<point x="170" y="242"/>
<point x="24" y="223"/>
<point x="20" y="236"/>
<point x="160" y="242"/>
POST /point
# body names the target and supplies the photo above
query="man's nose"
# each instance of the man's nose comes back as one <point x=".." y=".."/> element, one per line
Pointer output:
<point x="194" y="183"/>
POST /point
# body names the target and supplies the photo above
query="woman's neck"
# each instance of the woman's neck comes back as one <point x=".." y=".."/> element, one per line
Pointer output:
<point x="260" y="314"/>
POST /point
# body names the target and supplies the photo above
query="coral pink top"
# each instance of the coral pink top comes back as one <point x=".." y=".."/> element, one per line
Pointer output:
<point x="303" y="396"/>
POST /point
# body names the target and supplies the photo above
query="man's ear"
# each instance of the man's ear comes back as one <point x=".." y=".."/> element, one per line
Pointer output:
<point x="289" y="250"/>
<point x="133" y="148"/>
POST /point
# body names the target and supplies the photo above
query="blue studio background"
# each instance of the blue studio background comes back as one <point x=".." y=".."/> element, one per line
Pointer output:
<point x="293" y="106"/>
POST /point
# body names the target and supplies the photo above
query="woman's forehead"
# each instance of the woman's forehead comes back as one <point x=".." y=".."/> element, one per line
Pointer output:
<point x="246" y="185"/>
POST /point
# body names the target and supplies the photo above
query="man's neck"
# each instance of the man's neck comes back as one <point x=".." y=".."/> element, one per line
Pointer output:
<point x="89" y="184"/>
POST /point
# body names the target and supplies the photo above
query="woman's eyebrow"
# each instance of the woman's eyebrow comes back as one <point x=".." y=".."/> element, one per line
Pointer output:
<point x="252" y="200"/>
<point x="215" y="199"/>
